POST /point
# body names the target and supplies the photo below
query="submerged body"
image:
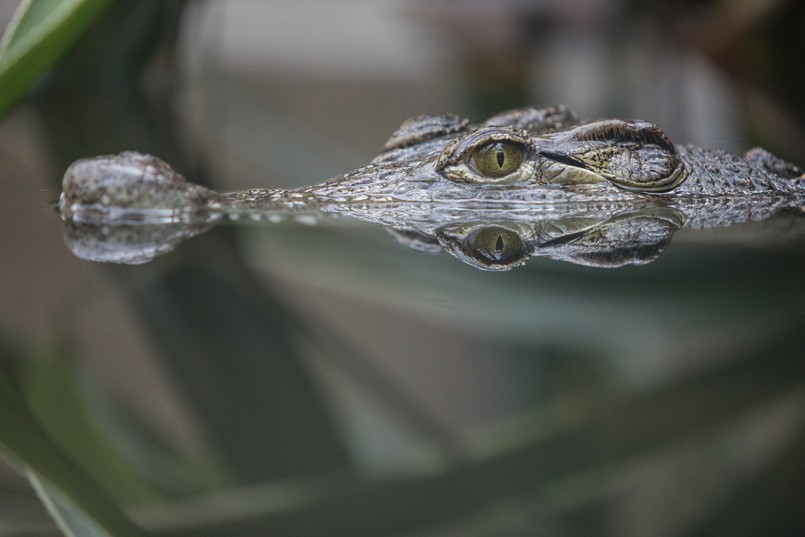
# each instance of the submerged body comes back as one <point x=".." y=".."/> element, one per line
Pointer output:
<point x="438" y="172"/>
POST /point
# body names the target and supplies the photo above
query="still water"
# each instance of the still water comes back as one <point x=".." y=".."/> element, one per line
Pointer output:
<point x="324" y="376"/>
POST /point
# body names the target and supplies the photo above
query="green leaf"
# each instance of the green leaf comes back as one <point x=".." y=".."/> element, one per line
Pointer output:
<point x="70" y="520"/>
<point x="77" y="504"/>
<point x="39" y="33"/>
<point x="55" y="397"/>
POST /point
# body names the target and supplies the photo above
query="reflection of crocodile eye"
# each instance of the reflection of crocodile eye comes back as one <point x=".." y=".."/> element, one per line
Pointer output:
<point x="496" y="244"/>
<point x="497" y="159"/>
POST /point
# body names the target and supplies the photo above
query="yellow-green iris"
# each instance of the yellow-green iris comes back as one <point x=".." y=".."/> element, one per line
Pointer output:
<point x="497" y="159"/>
<point x="496" y="244"/>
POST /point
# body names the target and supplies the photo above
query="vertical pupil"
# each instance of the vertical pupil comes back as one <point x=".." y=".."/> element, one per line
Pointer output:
<point x="501" y="157"/>
<point x="499" y="245"/>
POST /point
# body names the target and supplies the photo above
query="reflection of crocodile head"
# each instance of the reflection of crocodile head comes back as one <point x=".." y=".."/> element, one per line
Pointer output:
<point x="599" y="239"/>
<point x="609" y="179"/>
<point x="488" y="240"/>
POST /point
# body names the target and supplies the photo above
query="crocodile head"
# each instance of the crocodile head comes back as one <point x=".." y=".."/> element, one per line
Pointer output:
<point x="533" y="156"/>
<point x="528" y="155"/>
<point x="526" y="182"/>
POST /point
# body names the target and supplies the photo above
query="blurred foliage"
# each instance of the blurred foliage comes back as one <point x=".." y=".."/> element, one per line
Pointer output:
<point x="40" y="32"/>
<point x="77" y="504"/>
<point x="62" y="405"/>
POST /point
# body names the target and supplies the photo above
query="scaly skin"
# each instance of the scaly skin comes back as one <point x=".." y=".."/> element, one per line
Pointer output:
<point x="408" y="171"/>
<point x="609" y="161"/>
<point x="526" y="172"/>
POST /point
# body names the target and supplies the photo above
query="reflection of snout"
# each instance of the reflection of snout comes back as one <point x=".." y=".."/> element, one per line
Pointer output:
<point x="128" y="244"/>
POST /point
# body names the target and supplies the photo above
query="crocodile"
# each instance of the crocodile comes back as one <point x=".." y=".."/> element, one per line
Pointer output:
<point x="442" y="181"/>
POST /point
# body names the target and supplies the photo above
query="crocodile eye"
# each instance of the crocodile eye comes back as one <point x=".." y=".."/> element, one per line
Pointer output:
<point x="496" y="244"/>
<point x="489" y="156"/>
<point x="497" y="159"/>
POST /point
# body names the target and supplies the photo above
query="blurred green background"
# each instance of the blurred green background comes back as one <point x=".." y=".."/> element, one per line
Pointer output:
<point x="293" y="380"/>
